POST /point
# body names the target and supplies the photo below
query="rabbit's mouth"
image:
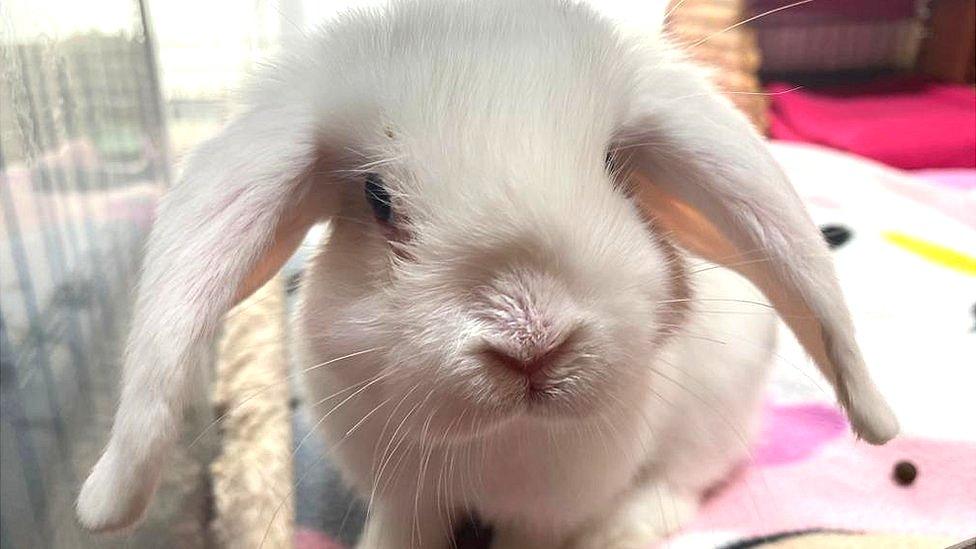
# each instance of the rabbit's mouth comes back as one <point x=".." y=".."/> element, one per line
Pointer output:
<point x="550" y="402"/>
<point x="567" y="393"/>
<point x="553" y="400"/>
<point x="558" y="402"/>
<point x="548" y="391"/>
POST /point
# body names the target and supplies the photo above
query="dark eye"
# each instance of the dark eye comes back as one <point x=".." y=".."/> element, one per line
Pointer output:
<point x="378" y="198"/>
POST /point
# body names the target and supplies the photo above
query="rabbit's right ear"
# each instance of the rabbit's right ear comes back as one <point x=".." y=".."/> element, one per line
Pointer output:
<point x="246" y="199"/>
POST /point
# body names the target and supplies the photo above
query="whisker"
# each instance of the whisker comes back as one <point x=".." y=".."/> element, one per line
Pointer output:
<point x="260" y="391"/>
<point x="424" y="464"/>
<point x="779" y="357"/>
<point x="741" y="263"/>
<point x="376" y="457"/>
<point x="365" y="417"/>
<point x="737" y="92"/>
<point x="390" y="453"/>
<point x="749" y="20"/>
<point x="308" y="435"/>
<point x="740" y="435"/>
<point x="751" y="252"/>
<point x="312" y="467"/>
<point x="727" y="300"/>
<point x="673" y="9"/>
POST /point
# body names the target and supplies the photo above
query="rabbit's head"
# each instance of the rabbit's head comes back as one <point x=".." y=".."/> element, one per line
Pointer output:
<point x="503" y="182"/>
<point x="494" y="281"/>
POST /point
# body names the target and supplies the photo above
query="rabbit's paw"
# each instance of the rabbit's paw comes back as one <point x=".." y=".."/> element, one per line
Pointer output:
<point x="647" y="514"/>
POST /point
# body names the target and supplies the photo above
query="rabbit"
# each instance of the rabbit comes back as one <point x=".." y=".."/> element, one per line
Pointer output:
<point x="533" y="218"/>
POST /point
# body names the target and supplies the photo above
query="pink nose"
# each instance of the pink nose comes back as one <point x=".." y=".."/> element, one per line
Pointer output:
<point x="527" y="362"/>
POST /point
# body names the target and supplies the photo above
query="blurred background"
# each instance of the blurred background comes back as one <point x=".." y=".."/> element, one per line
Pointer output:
<point x="100" y="99"/>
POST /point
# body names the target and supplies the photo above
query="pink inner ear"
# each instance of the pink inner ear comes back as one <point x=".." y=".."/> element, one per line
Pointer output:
<point x="685" y="223"/>
<point x="313" y="202"/>
<point x="288" y="235"/>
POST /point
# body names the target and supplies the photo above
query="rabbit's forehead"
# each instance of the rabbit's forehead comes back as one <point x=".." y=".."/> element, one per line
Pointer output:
<point x="487" y="167"/>
<point x="479" y="139"/>
<point x="486" y="75"/>
<point x="475" y="107"/>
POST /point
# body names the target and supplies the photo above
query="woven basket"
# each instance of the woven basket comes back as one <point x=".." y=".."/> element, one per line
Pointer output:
<point x="702" y="27"/>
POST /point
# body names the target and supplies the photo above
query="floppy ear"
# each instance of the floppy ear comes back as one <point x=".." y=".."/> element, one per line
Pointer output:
<point x="706" y="174"/>
<point x="244" y="203"/>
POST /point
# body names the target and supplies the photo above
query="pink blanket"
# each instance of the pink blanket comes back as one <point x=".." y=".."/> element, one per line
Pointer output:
<point x="908" y="124"/>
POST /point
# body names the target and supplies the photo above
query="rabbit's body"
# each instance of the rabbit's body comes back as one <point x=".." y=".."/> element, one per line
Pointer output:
<point x="524" y="339"/>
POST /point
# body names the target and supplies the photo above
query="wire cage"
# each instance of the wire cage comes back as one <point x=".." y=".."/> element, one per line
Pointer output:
<point x="83" y="160"/>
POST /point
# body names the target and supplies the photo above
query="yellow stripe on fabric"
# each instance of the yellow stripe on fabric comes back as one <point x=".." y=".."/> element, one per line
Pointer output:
<point x="936" y="253"/>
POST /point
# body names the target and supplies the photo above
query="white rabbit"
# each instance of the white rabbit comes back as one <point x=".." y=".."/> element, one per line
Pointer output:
<point x="529" y="340"/>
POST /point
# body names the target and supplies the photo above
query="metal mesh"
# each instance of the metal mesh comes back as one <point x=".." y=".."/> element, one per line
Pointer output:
<point x="83" y="160"/>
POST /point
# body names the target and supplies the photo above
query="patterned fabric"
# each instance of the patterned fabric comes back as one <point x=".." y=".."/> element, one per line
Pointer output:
<point x="914" y="312"/>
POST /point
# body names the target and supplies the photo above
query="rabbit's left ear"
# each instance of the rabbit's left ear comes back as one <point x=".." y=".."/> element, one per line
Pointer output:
<point x="706" y="175"/>
<point x="245" y="201"/>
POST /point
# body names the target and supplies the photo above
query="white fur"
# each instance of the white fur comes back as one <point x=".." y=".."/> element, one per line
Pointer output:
<point x="489" y="122"/>
<point x="670" y="423"/>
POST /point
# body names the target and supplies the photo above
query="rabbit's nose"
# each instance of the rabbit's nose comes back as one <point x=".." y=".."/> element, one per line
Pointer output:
<point x="528" y="361"/>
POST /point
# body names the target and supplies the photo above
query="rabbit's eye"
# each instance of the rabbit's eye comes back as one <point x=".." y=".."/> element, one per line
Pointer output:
<point x="614" y="165"/>
<point x="378" y="198"/>
<point x="611" y="162"/>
